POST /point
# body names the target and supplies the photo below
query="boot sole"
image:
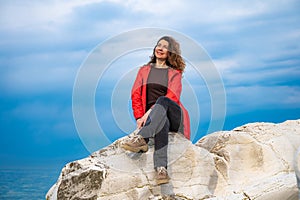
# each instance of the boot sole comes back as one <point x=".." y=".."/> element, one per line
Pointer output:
<point x="143" y="148"/>
<point x="162" y="181"/>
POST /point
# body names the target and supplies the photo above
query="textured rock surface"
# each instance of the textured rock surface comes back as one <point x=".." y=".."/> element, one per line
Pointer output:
<point x="254" y="161"/>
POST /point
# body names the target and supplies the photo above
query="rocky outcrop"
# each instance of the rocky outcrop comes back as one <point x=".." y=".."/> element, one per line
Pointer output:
<point x="254" y="161"/>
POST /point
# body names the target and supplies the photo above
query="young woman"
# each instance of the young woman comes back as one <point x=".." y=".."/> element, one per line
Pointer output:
<point x="156" y="104"/>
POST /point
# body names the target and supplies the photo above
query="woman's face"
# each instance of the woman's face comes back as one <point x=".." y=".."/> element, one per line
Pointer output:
<point x="161" y="50"/>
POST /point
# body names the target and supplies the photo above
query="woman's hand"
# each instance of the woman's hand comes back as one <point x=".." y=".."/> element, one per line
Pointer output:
<point x="141" y="121"/>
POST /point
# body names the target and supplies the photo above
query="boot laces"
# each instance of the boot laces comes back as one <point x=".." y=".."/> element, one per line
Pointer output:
<point x="161" y="170"/>
<point x="134" y="138"/>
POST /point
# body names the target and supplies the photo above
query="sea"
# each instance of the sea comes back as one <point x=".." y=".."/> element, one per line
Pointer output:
<point x="27" y="184"/>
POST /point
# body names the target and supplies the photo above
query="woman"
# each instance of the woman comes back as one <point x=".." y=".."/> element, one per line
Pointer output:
<point x="156" y="104"/>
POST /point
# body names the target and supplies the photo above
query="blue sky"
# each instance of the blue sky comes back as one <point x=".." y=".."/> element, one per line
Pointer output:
<point x="254" y="45"/>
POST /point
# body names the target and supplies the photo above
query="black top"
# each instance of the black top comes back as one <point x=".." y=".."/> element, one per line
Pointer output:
<point x="157" y="85"/>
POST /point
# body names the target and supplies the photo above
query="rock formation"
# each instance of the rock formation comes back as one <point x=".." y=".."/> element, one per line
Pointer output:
<point x="254" y="161"/>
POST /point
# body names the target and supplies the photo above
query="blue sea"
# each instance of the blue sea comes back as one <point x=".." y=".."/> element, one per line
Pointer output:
<point x="26" y="184"/>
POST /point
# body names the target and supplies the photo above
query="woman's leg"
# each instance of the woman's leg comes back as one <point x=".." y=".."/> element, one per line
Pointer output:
<point x="164" y="109"/>
<point x="160" y="155"/>
<point x="165" y="116"/>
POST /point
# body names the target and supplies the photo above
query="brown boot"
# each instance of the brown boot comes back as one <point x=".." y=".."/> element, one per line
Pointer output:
<point x="162" y="175"/>
<point x="135" y="144"/>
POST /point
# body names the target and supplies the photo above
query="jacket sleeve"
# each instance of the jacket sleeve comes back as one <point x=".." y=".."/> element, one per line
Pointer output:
<point x="174" y="87"/>
<point x="174" y="92"/>
<point x="136" y="96"/>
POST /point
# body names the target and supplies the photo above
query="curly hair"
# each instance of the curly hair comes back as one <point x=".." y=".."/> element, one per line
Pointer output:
<point x="174" y="59"/>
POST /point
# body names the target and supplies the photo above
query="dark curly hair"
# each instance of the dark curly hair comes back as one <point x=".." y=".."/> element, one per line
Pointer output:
<point x="174" y="59"/>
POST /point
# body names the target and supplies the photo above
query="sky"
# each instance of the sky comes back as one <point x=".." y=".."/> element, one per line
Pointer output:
<point x="253" y="48"/>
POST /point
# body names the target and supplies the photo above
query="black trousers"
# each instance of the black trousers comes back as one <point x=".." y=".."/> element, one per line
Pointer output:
<point x="165" y="117"/>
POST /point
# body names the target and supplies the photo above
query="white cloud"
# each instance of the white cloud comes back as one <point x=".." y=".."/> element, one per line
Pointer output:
<point x="21" y="14"/>
<point x="205" y="12"/>
<point x="156" y="8"/>
<point x="161" y="13"/>
<point x="244" y="38"/>
<point x="226" y="64"/>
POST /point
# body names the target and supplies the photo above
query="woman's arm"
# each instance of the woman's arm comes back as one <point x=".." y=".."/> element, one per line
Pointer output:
<point x="136" y="96"/>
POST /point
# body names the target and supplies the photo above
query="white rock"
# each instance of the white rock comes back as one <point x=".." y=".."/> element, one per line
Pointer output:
<point x="254" y="161"/>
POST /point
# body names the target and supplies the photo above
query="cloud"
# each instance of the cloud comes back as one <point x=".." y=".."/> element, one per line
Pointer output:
<point x="235" y="72"/>
<point x="20" y="14"/>
<point x="253" y="45"/>
<point x="40" y="74"/>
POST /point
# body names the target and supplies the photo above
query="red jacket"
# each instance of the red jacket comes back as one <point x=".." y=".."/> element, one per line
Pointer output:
<point x="138" y="94"/>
